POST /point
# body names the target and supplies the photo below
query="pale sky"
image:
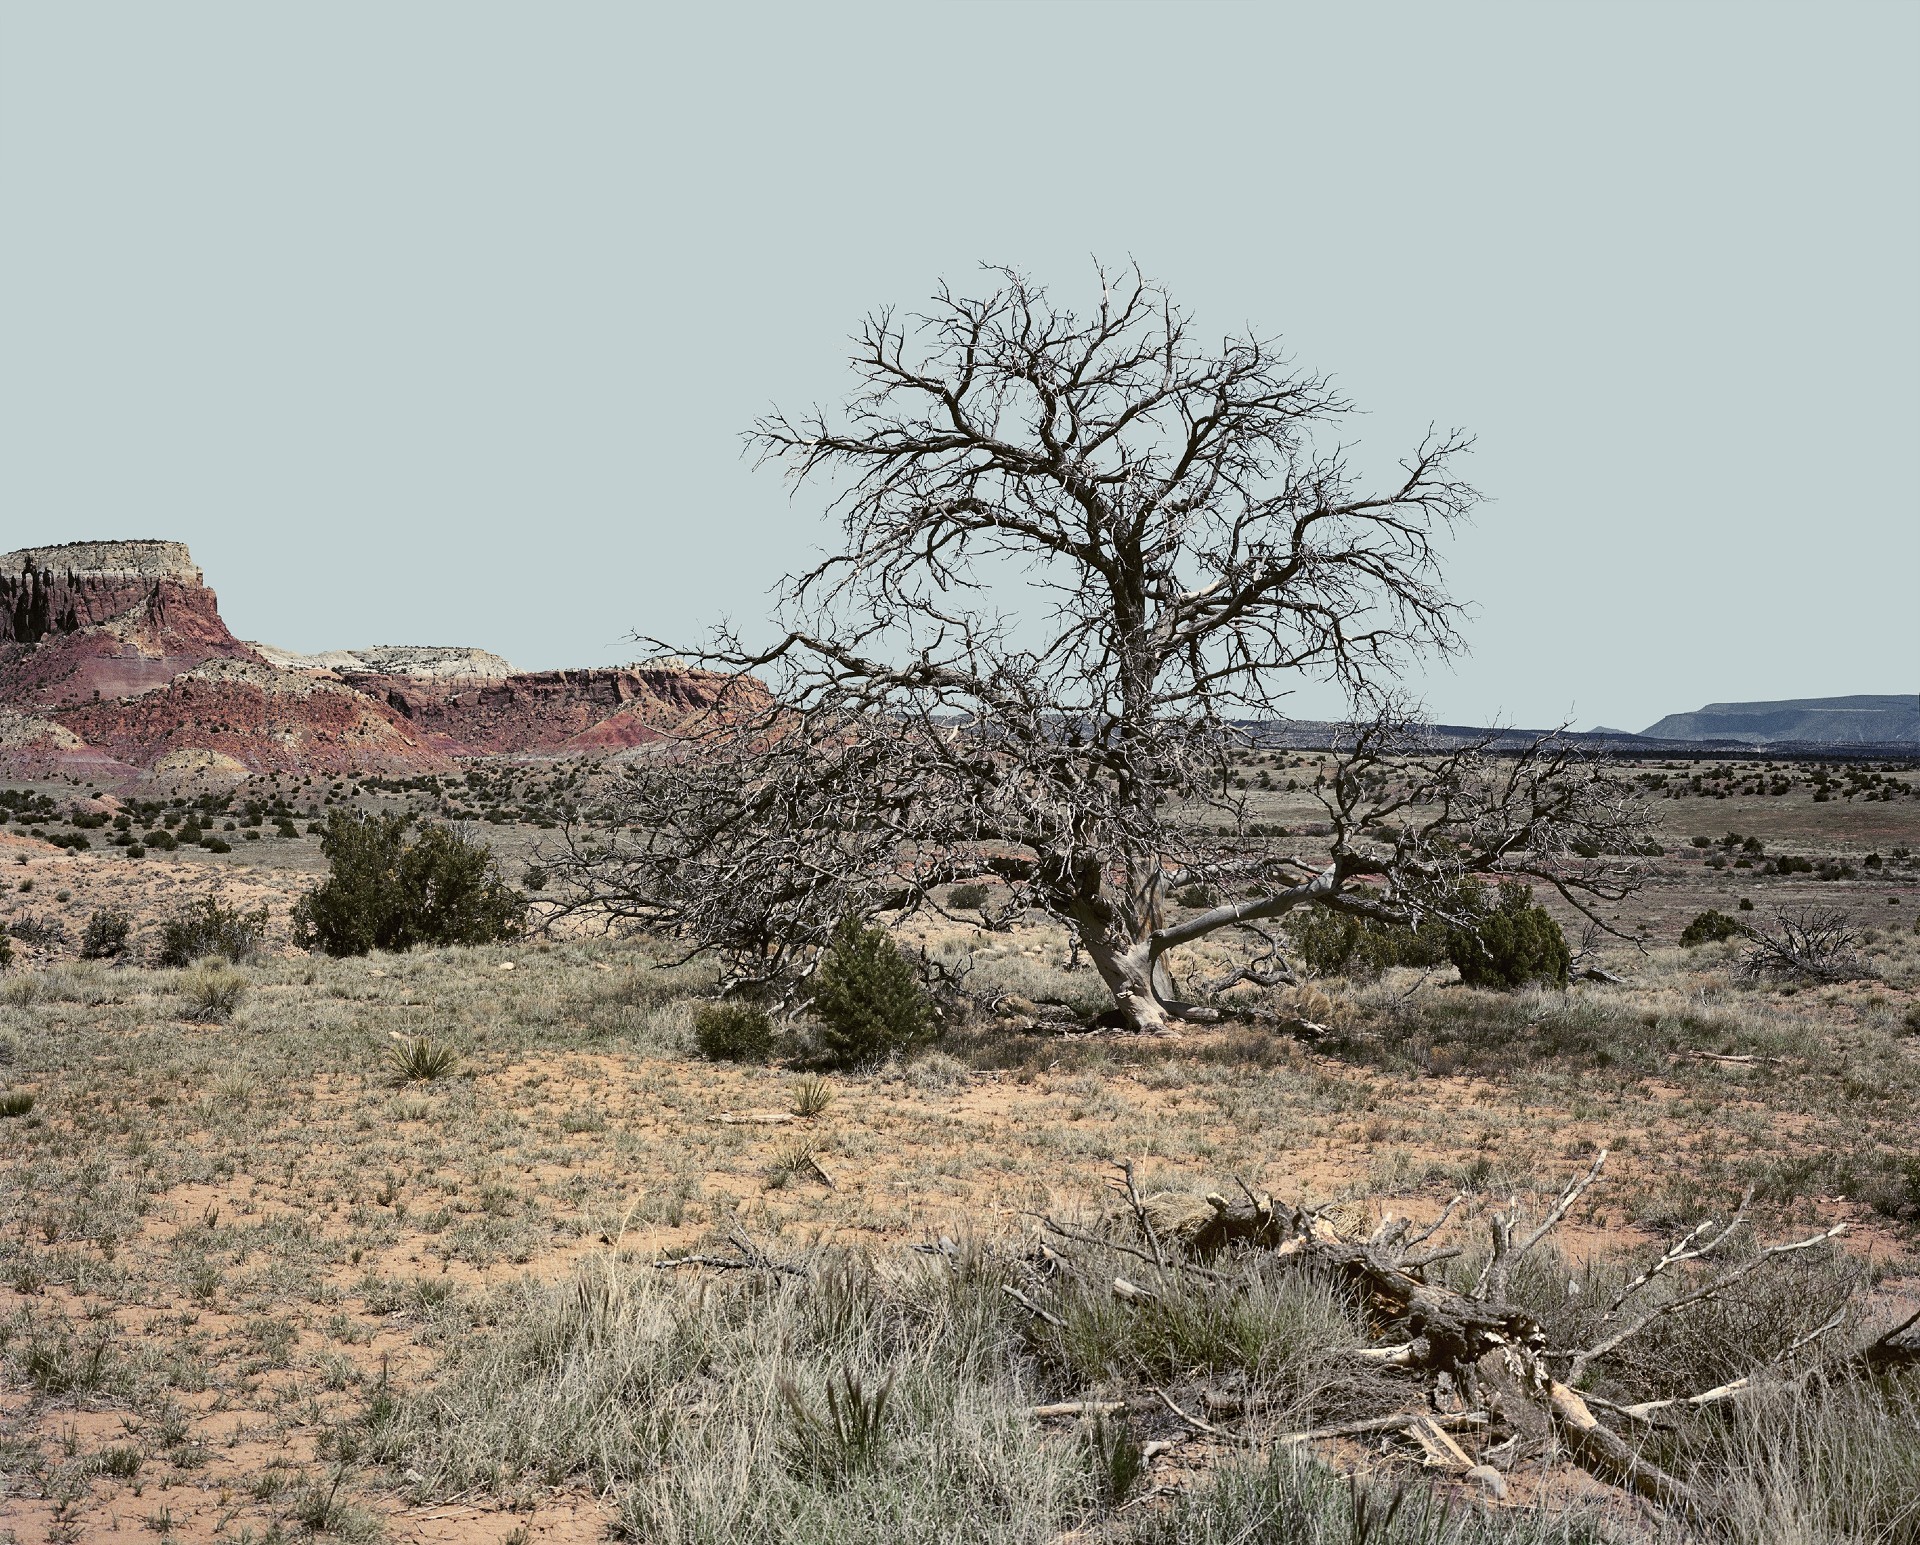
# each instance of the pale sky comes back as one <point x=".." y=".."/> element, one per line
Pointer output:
<point x="437" y="323"/>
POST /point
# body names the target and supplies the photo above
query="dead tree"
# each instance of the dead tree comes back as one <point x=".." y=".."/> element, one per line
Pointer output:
<point x="1083" y="559"/>
<point x="1817" y="943"/>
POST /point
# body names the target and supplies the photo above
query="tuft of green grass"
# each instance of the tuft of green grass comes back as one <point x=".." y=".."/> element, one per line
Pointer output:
<point x="1115" y="1458"/>
<point x="15" y="1102"/>
<point x="847" y="1440"/>
<point x="122" y="1462"/>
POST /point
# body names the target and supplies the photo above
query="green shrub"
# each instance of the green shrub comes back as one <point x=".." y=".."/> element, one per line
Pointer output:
<point x="1709" y="927"/>
<point x="106" y="935"/>
<point x="6" y="952"/>
<point x="207" y="928"/>
<point x="970" y="897"/>
<point x="1335" y="944"/>
<point x="733" y="1032"/>
<point x="16" y="1102"/>
<point x="385" y="893"/>
<point x="867" y="999"/>
<point x="1509" y="941"/>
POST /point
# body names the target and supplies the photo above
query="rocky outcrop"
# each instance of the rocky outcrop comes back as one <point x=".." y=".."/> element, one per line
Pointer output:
<point x="415" y="662"/>
<point x="51" y="590"/>
<point x="261" y="717"/>
<point x="33" y="747"/>
<point x="115" y="663"/>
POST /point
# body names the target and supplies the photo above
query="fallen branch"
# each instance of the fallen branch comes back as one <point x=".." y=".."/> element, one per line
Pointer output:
<point x="1195" y="1422"/>
<point x="1646" y="1410"/>
<point x="750" y="1257"/>
<point x="1078" y="1408"/>
<point x="1032" y="1308"/>
<point x="1685" y="1250"/>
<point x="1452" y="1421"/>
<point x="1064" y="1232"/>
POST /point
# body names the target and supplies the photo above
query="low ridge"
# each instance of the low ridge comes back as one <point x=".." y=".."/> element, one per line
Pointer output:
<point x="1863" y="719"/>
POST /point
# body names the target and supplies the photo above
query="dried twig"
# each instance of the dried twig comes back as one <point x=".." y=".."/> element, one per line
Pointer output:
<point x="1140" y="1214"/>
<point x="1683" y="1250"/>
<point x="1455" y="1421"/>
<point x="1493" y="1279"/>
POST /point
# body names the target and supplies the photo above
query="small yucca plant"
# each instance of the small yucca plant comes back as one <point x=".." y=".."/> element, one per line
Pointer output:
<point x="797" y="1161"/>
<point x="1116" y="1459"/>
<point x="811" y="1097"/>
<point x="16" y="1102"/>
<point x="421" y="1059"/>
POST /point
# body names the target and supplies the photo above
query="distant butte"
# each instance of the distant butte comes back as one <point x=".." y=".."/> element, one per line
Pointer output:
<point x="115" y="664"/>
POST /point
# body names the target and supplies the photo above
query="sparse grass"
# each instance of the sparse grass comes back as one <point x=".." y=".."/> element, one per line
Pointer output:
<point x="207" y="1224"/>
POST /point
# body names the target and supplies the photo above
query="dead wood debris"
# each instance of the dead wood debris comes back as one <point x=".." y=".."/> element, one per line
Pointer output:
<point x="1483" y="1366"/>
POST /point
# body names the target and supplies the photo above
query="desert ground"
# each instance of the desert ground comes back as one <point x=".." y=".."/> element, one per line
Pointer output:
<point x="257" y="1282"/>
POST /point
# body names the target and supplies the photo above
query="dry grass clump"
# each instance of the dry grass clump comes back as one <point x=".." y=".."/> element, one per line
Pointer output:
<point x="211" y="992"/>
<point x="1284" y="1499"/>
<point x="1820" y="1463"/>
<point x="673" y="1393"/>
